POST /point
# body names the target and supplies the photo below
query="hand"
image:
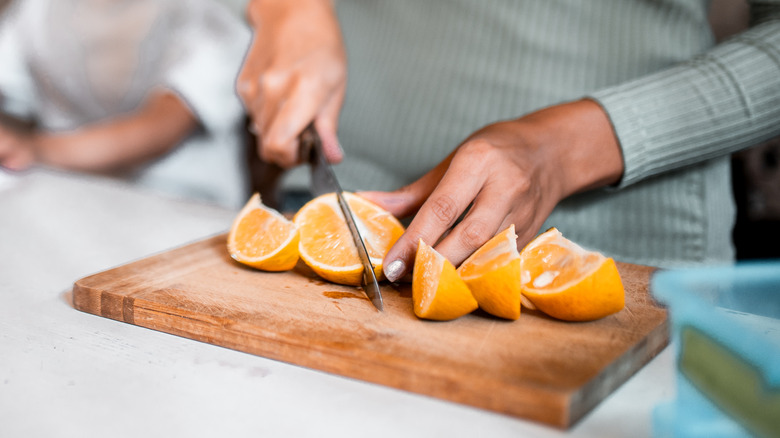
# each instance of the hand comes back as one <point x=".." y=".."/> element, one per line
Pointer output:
<point x="17" y="150"/>
<point x="512" y="172"/>
<point x="295" y="72"/>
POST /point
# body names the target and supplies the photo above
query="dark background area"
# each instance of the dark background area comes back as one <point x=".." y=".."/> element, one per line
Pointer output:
<point x="756" y="183"/>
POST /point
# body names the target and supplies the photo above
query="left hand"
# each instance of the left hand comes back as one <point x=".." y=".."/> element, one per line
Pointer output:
<point x="512" y="172"/>
<point x="17" y="150"/>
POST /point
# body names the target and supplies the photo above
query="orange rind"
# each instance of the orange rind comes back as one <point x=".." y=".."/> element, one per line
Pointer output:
<point x="438" y="292"/>
<point x="262" y="238"/>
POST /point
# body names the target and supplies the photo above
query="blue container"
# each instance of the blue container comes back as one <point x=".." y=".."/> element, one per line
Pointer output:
<point x="726" y="334"/>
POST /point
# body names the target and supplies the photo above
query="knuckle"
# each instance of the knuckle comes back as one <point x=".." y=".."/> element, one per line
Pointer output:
<point x="474" y="234"/>
<point x="479" y="148"/>
<point x="444" y="209"/>
<point x="270" y="81"/>
<point x="523" y="184"/>
<point x="246" y="93"/>
<point x="407" y="243"/>
<point x="276" y="153"/>
<point x="308" y="83"/>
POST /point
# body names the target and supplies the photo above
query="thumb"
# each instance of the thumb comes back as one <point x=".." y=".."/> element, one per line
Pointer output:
<point x="408" y="199"/>
<point x="399" y="203"/>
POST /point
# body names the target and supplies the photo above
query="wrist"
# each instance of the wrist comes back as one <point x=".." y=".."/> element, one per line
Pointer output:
<point x="256" y="10"/>
<point x="584" y="149"/>
<point x="44" y="147"/>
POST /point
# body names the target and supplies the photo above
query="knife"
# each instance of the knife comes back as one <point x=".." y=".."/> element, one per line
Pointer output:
<point x="323" y="180"/>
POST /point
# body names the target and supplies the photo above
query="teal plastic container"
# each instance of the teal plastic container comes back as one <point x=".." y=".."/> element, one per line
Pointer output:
<point x="725" y="324"/>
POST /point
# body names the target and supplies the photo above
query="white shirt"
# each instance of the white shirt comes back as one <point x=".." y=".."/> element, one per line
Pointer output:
<point x="67" y="63"/>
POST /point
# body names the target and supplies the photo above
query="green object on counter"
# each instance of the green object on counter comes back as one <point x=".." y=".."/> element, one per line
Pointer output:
<point x="733" y="384"/>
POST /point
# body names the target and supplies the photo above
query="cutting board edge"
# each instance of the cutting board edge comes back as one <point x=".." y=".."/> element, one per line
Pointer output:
<point x="437" y="385"/>
<point x="526" y="404"/>
<point x="596" y="390"/>
<point x="96" y="301"/>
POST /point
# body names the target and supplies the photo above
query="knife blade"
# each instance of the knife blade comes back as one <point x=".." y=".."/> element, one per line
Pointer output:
<point x="323" y="180"/>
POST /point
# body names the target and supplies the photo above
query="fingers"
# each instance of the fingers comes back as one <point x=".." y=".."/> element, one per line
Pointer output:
<point x="399" y="203"/>
<point x="248" y="84"/>
<point x="282" y="107"/>
<point x="484" y="219"/>
<point x="286" y="111"/>
<point x="458" y="187"/>
<point x="407" y="200"/>
<point x="327" y="125"/>
<point x="15" y="163"/>
<point x="283" y="96"/>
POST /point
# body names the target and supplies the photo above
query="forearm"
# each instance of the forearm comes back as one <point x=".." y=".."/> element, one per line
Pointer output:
<point x="120" y="144"/>
<point x="260" y="12"/>
<point x="726" y="100"/>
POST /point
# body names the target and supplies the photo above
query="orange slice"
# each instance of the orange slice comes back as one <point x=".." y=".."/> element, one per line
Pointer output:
<point x="568" y="282"/>
<point x="326" y="245"/>
<point x="492" y="273"/>
<point x="438" y="291"/>
<point x="262" y="238"/>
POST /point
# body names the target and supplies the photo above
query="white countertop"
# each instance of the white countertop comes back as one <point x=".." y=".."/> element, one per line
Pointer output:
<point x="66" y="373"/>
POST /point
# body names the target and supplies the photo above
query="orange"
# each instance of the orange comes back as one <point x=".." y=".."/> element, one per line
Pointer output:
<point x="568" y="282"/>
<point x="326" y="244"/>
<point x="492" y="273"/>
<point x="438" y="291"/>
<point x="262" y="238"/>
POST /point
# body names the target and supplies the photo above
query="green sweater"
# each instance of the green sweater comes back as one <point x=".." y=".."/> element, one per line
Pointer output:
<point x="424" y="74"/>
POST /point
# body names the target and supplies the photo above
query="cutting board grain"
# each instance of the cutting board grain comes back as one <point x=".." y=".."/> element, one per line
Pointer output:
<point x="536" y="367"/>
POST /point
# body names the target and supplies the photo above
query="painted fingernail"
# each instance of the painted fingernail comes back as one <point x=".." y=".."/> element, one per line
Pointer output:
<point x="394" y="270"/>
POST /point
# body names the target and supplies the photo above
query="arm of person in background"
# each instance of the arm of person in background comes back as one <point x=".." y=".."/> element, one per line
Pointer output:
<point x="517" y="171"/>
<point x="114" y="145"/>
<point x="294" y="73"/>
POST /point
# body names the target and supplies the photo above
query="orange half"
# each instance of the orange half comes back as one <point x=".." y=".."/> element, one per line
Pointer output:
<point x="262" y="238"/>
<point x="326" y="244"/>
<point x="568" y="282"/>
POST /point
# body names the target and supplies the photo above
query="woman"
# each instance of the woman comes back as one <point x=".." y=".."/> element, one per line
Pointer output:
<point x="612" y="120"/>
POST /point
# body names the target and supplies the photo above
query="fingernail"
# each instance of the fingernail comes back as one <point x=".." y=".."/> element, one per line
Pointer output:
<point x="394" y="270"/>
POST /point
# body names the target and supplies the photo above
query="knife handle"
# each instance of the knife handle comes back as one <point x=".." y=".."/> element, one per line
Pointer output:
<point x="264" y="176"/>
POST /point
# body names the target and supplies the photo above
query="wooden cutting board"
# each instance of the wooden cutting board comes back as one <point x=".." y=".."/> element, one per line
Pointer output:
<point x="536" y="367"/>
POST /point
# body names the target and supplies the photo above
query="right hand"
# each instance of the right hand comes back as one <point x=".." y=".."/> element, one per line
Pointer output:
<point x="17" y="150"/>
<point x="295" y="72"/>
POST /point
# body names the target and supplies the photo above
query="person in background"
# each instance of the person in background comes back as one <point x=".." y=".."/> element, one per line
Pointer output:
<point x="139" y="89"/>
<point x="611" y="120"/>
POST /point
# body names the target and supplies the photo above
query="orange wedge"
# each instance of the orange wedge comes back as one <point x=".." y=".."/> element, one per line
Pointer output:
<point x="568" y="282"/>
<point x="262" y="238"/>
<point x="492" y="274"/>
<point x="326" y="245"/>
<point x="438" y="291"/>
